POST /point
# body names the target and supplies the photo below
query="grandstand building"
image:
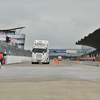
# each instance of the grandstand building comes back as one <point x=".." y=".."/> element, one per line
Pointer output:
<point x="92" y="40"/>
<point x="13" y="37"/>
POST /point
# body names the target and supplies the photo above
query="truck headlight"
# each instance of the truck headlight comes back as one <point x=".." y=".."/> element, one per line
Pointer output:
<point x="44" y="59"/>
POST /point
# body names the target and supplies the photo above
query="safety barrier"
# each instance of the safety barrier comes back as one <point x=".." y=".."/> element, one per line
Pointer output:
<point x="17" y="59"/>
<point x="87" y="59"/>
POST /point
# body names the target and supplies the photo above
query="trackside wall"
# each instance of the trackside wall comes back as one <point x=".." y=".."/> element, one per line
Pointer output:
<point x="17" y="59"/>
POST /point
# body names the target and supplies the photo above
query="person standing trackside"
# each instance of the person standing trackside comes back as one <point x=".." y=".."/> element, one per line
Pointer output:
<point x="1" y="57"/>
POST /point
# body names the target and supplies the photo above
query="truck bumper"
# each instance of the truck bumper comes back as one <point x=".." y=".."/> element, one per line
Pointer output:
<point x="43" y="61"/>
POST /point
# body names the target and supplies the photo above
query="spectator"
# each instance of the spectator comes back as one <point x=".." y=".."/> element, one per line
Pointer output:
<point x="1" y="57"/>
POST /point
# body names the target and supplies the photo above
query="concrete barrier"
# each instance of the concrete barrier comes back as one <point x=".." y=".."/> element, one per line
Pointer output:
<point x="17" y="59"/>
<point x="93" y="63"/>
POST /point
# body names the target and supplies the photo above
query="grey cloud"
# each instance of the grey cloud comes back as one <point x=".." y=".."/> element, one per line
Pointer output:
<point x="62" y="22"/>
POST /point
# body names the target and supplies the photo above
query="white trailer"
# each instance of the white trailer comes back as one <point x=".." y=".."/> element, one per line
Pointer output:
<point x="40" y="52"/>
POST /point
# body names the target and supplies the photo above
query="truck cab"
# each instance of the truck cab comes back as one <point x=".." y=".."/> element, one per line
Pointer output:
<point x="40" y="52"/>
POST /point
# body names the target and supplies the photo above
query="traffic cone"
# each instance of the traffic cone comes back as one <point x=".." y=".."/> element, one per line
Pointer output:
<point x="55" y="61"/>
<point x="58" y="62"/>
<point x="77" y="59"/>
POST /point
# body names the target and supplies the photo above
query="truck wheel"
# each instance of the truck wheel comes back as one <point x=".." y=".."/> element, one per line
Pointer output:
<point x="48" y="62"/>
<point x="32" y="62"/>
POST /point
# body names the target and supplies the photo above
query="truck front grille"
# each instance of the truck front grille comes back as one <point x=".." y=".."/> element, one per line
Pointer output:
<point x="38" y="56"/>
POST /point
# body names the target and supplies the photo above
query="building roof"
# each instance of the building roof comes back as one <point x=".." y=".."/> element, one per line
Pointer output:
<point x="93" y="40"/>
<point x="11" y="29"/>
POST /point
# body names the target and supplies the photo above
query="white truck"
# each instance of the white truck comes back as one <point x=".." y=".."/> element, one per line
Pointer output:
<point x="40" y="52"/>
<point x="60" y="58"/>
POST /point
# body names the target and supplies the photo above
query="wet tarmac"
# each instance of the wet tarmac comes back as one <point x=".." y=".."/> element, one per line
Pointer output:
<point x="67" y="81"/>
<point x="27" y="72"/>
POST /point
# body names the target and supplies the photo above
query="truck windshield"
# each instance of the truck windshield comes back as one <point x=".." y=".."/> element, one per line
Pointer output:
<point x="35" y="50"/>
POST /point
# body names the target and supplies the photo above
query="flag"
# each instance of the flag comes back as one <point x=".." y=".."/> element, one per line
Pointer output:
<point x="4" y="35"/>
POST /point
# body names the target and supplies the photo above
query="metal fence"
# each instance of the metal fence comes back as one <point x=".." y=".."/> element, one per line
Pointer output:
<point x="11" y="50"/>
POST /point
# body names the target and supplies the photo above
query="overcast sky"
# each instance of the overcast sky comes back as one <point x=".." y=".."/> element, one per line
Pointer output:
<point x="61" y="22"/>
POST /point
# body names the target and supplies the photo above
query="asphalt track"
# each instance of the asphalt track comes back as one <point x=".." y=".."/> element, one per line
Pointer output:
<point x="67" y="81"/>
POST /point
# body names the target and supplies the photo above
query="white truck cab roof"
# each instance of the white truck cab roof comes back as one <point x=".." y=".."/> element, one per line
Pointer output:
<point x="41" y="44"/>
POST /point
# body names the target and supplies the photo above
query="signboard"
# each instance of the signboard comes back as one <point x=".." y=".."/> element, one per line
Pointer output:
<point x="51" y="50"/>
<point x="71" y="51"/>
<point x="57" y="51"/>
<point x="60" y="51"/>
